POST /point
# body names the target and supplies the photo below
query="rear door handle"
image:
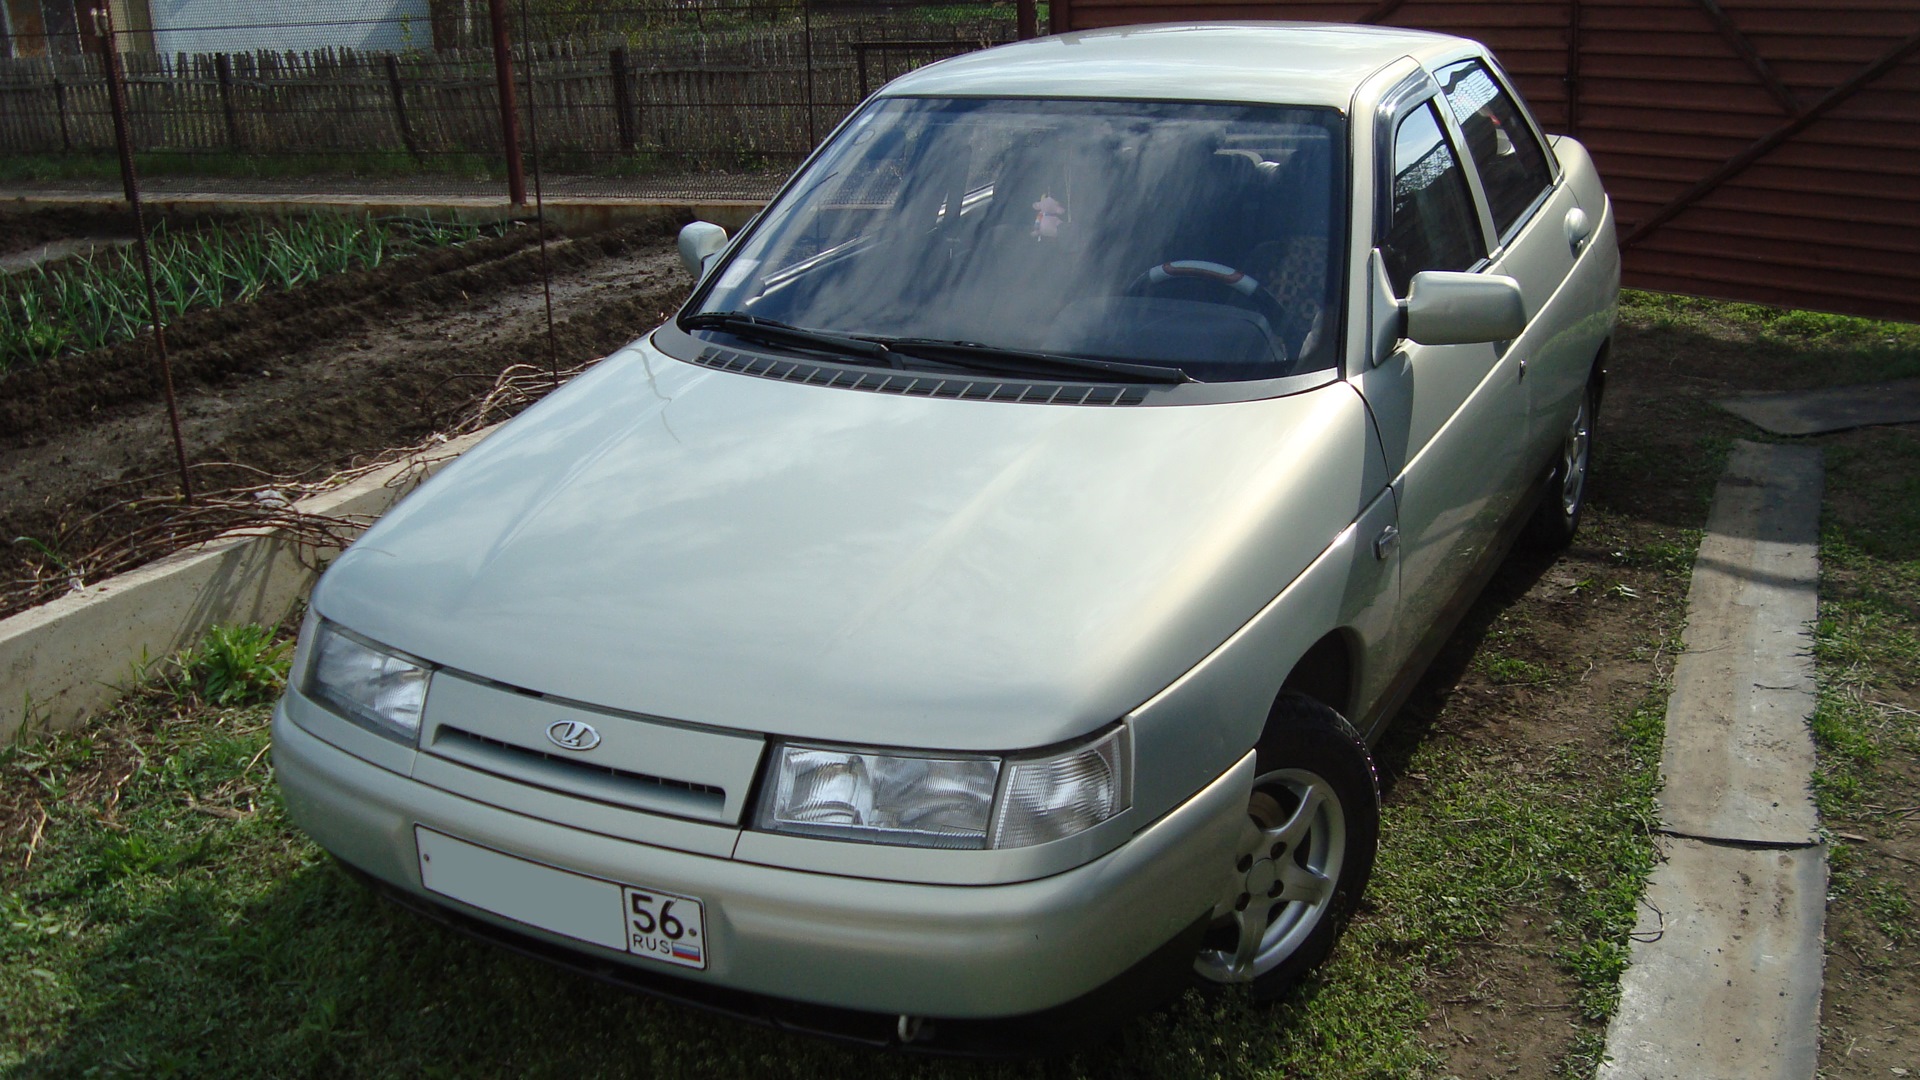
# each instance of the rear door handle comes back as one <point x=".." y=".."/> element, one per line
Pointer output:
<point x="1578" y="229"/>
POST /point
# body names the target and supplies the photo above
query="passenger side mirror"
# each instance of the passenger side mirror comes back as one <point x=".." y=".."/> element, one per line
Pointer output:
<point x="1446" y="308"/>
<point x="700" y="241"/>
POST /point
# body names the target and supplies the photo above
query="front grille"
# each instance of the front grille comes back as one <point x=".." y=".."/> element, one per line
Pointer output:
<point x="920" y="384"/>
<point x="576" y="776"/>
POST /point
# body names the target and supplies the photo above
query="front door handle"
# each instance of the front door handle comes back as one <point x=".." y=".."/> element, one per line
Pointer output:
<point x="1384" y="544"/>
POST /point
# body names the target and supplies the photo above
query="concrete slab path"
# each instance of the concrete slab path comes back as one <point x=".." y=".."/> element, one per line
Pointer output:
<point x="1724" y="979"/>
<point x="1810" y="412"/>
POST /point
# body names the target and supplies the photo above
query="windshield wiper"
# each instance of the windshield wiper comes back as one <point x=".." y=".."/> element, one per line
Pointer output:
<point x="773" y="332"/>
<point x="973" y="354"/>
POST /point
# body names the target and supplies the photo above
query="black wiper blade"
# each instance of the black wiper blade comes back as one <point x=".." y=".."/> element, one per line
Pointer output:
<point x="976" y="355"/>
<point x="774" y="332"/>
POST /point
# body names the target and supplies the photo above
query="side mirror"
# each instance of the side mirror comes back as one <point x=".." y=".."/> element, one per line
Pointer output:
<point x="700" y="241"/>
<point x="1446" y="308"/>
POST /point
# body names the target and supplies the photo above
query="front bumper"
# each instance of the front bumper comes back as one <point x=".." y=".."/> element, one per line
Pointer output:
<point x="942" y="951"/>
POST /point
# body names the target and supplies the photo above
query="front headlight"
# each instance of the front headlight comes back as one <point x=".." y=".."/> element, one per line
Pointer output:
<point x="372" y="686"/>
<point x="881" y="798"/>
<point x="896" y="797"/>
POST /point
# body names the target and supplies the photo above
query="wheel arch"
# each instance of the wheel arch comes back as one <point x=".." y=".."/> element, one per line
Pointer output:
<point x="1327" y="672"/>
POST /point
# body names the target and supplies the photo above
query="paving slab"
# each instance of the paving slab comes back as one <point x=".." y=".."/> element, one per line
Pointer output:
<point x="1724" y="975"/>
<point x="1738" y="756"/>
<point x="1810" y="412"/>
<point x="1722" y="983"/>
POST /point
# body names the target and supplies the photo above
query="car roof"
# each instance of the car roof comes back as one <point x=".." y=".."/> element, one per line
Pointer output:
<point x="1289" y="63"/>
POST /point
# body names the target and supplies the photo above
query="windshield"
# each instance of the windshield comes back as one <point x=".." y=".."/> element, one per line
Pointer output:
<point x="1202" y="237"/>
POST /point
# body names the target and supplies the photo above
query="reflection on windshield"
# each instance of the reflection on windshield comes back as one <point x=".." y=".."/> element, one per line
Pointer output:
<point x="1200" y="236"/>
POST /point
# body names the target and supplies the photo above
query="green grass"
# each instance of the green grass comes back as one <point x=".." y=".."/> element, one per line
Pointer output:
<point x="89" y="303"/>
<point x="1867" y="642"/>
<point x="1796" y="349"/>
<point x="173" y="922"/>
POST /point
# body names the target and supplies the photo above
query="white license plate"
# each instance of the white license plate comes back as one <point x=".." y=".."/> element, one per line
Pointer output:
<point x="658" y="925"/>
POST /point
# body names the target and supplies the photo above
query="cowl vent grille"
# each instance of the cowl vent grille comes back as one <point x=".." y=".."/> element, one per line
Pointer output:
<point x="921" y="384"/>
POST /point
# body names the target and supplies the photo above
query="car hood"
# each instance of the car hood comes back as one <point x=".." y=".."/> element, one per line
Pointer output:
<point x="742" y="552"/>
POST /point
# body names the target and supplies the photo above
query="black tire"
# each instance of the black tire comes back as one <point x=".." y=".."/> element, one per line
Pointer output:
<point x="1557" y="518"/>
<point x="1308" y="751"/>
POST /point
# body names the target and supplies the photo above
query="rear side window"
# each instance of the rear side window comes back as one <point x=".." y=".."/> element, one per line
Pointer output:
<point x="1433" y="224"/>
<point x="1513" y="166"/>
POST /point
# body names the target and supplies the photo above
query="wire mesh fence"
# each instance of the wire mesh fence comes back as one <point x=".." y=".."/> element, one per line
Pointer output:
<point x="670" y="98"/>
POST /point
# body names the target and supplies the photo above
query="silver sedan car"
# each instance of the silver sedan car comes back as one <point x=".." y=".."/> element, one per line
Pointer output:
<point x="980" y="600"/>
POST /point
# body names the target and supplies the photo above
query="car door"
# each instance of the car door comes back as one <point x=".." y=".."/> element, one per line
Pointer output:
<point x="1539" y="228"/>
<point x="1452" y="419"/>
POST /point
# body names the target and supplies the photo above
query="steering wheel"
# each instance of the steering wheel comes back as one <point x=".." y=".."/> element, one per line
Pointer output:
<point x="1246" y="292"/>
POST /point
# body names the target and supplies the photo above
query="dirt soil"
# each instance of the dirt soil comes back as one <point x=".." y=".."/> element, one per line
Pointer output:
<point x="301" y="384"/>
<point x="1870" y="1005"/>
<point x="21" y="232"/>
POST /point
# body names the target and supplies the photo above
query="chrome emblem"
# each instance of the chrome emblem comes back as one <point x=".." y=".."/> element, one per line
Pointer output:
<point x="572" y="735"/>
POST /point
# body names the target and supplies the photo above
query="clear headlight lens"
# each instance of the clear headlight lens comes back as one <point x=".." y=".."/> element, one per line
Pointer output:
<point x="881" y="798"/>
<point x="1053" y="797"/>
<point x="890" y="797"/>
<point x="365" y="683"/>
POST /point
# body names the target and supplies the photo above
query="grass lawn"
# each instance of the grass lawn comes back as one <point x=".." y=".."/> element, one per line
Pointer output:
<point x="159" y="916"/>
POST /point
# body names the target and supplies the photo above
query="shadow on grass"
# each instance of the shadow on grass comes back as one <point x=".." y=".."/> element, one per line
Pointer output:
<point x="313" y="975"/>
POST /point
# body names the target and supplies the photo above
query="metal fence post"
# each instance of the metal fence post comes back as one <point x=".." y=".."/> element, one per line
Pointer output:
<point x="60" y="106"/>
<point x="1028" y="19"/>
<point x="400" y="107"/>
<point x="123" y="139"/>
<point x="509" y="112"/>
<point x="806" y="15"/>
<point x="223" y="71"/>
<point x="622" y="97"/>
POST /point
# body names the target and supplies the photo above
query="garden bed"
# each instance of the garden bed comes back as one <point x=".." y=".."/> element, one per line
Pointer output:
<point x="293" y="386"/>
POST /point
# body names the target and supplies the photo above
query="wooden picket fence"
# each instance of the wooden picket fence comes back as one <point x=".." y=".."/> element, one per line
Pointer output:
<point x="715" y="99"/>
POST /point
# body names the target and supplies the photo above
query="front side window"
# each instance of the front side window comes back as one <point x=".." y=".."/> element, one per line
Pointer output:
<point x="1203" y="237"/>
<point x="1433" y="225"/>
<point x="1513" y="166"/>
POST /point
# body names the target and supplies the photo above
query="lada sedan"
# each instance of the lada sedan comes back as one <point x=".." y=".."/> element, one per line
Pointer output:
<point x="980" y="600"/>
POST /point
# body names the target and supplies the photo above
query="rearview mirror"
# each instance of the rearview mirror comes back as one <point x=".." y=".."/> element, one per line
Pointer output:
<point x="700" y="241"/>
<point x="1446" y="308"/>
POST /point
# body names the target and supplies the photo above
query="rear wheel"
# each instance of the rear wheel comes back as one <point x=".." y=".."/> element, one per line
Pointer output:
<point x="1558" y="516"/>
<point x="1313" y="822"/>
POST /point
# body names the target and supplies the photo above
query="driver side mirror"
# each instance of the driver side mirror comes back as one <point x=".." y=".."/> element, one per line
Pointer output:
<point x="700" y="241"/>
<point x="1447" y="308"/>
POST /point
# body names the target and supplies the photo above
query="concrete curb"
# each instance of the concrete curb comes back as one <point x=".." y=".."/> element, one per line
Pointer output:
<point x="68" y="658"/>
<point x="569" y="212"/>
<point x="1725" y="973"/>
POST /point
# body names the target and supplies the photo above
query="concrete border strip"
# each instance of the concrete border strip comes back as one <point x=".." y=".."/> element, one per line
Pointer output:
<point x="1725" y="972"/>
<point x="64" y="660"/>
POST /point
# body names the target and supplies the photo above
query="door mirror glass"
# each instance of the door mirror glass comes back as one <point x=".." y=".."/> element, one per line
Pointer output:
<point x="700" y="241"/>
<point x="1459" y="309"/>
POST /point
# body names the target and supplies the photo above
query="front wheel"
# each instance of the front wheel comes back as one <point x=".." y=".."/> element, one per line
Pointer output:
<point x="1313" y="822"/>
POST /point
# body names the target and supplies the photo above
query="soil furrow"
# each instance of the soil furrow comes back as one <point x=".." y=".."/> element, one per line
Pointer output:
<point x="307" y="382"/>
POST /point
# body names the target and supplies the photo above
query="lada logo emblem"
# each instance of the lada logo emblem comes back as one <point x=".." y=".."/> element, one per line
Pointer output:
<point x="572" y="735"/>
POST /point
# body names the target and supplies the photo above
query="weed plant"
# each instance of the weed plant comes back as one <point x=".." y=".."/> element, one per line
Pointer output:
<point x="90" y="303"/>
